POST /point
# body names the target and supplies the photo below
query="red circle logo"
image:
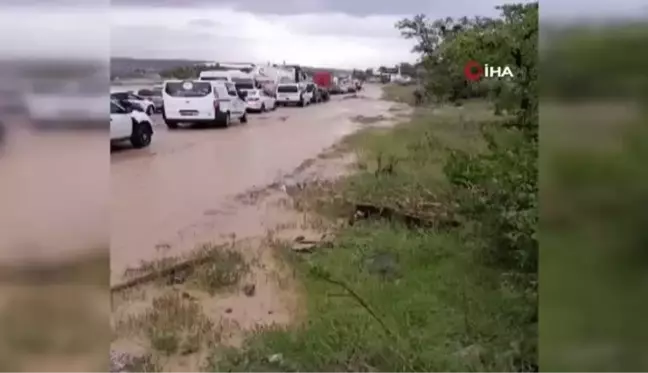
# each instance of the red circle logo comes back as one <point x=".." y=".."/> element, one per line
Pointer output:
<point x="473" y="71"/>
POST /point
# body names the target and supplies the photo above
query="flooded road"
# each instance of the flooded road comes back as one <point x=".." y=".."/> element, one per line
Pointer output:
<point x="179" y="192"/>
<point x="41" y="174"/>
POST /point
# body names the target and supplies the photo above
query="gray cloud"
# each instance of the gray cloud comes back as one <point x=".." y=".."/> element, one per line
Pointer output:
<point x="203" y="22"/>
<point x="354" y="7"/>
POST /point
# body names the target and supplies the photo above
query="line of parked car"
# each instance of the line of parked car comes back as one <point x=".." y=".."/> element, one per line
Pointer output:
<point x="217" y="102"/>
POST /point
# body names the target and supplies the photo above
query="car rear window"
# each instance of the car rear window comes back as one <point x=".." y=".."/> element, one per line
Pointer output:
<point x="214" y="78"/>
<point x="243" y="83"/>
<point x="145" y="92"/>
<point x="188" y="89"/>
<point x="288" y="89"/>
<point x="244" y="86"/>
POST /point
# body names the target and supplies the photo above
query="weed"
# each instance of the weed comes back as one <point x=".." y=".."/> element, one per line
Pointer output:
<point x="146" y="363"/>
<point x="173" y="324"/>
<point x="222" y="269"/>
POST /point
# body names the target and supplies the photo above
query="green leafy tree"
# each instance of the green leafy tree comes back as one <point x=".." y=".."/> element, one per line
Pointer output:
<point x="496" y="189"/>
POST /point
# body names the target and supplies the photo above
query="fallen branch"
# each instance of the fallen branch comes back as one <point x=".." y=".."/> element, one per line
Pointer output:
<point x="367" y="211"/>
<point x="358" y="298"/>
<point x="175" y="272"/>
<point x="326" y="277"/>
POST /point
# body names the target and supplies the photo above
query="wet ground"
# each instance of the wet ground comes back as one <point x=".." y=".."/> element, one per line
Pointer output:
<point x="181" y="191"/>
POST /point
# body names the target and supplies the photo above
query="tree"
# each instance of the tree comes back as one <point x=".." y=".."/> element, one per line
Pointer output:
<point x="407" y="68"/>
<point x="495" y="189"/>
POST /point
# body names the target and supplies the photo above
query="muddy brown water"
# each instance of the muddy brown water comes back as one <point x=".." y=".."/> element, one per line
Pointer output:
<point x="179" y="192"/>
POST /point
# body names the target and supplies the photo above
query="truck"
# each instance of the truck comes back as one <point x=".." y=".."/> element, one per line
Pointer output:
<point x="324" y="81"/>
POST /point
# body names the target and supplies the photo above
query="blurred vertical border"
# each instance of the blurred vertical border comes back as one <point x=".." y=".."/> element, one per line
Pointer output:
<point x="54" y="185"/>
<point x="593" y="186"/>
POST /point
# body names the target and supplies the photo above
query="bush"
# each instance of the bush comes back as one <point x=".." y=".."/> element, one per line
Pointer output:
<point x="499" y="189"/>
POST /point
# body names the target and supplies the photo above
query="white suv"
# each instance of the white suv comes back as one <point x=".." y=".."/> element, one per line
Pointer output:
<point x="292" y="93"/>
<point x="135" y="126"/>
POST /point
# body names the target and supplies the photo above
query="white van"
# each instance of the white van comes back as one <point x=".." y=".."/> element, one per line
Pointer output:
<point x="195" y="101"/>
<point x="216" y="75"/>
<point x="292" y="93"/>
<point x="232" y="76"/>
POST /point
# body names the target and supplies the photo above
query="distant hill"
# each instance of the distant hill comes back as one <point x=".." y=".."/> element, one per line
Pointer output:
<point x="129" y="68"/>
<point x="136" y="67"/>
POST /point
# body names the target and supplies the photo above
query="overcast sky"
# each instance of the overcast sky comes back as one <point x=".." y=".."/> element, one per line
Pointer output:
<point x="337" y="33"/>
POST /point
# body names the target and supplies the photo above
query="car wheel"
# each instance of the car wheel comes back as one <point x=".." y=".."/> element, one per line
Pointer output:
<point x="226" y="121"/>
<point x="243" y="119"/>
<point x="150" y="110"/>
<point x="171" y="125"/>
<point x="142" y="134"/>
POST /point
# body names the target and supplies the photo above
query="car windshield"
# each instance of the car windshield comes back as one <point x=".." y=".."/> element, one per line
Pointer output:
<point x="145" y="93"/>
<point x="287" y="89"/>
<point x="188" y="89"/>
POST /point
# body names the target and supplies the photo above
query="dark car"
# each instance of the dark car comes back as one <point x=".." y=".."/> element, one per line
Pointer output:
<point x="324" y="93"/>
<point x="317" y="93"/>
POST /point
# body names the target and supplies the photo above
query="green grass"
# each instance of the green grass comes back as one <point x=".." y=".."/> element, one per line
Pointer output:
<point x="399" y="93"/>
<point x="418" y="299"/>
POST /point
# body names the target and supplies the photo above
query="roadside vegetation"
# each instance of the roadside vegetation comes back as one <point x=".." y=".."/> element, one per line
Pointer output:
<point x="437" y="269"/>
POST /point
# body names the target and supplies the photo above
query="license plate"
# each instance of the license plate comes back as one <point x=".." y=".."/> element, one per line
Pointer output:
<point x="188" y="113"/>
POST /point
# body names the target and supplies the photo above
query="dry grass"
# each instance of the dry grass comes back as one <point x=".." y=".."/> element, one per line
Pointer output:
<point x="223" y="270"/>
<point x="399" y="93"/>
<point x="174" y="324"/>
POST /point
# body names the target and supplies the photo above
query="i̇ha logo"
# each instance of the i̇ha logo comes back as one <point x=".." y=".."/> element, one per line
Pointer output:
<point x="474" y="71"/>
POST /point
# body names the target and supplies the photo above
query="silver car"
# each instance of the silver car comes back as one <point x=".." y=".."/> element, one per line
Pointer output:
<point x="154" y="95"/>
